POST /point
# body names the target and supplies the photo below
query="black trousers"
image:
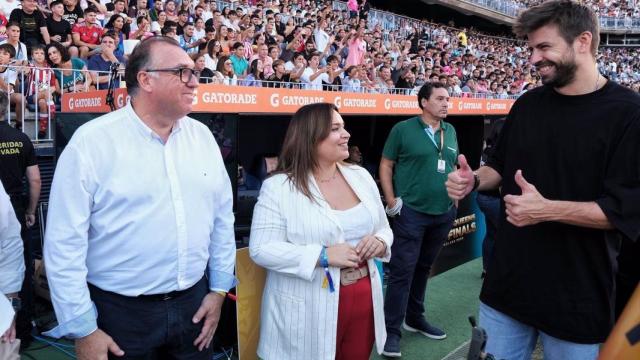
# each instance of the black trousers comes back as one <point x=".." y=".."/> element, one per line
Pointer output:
<point x="151" y="327"/>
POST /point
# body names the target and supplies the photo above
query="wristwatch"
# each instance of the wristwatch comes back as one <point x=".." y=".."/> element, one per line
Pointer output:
<point x="16" y="303"/>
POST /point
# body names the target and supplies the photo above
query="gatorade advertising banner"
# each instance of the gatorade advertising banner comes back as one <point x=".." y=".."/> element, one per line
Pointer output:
<point x="252" y="100"/>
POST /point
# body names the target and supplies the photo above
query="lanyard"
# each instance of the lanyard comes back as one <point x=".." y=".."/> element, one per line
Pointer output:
<point x="431" y="136"/>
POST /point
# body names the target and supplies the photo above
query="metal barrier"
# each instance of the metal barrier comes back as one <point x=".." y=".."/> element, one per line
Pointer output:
<point x="37" y="101"/>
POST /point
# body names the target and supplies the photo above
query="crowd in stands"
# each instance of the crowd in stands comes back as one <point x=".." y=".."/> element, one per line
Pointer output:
<point x="612" y="8"/>
<point x="276" y="43"/>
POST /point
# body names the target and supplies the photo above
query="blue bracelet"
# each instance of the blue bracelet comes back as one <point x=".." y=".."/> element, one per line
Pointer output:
<point x="324" y="259"/>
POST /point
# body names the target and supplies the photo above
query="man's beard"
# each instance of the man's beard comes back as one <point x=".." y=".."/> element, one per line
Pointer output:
<point x="564" y="74"/>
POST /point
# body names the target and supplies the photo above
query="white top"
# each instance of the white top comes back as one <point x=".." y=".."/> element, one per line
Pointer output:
<point x="356" y="223"/>
<point x="315" y="84"/>
<point x="11" y="259"/>
<point x="133" y="215"/>
<point x="21" y="49"/>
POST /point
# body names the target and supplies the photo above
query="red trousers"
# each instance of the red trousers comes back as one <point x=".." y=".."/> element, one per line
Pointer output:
<point x="356" y="332"/>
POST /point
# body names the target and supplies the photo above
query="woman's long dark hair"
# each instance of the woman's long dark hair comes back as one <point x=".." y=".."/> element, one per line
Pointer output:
<point x="253" y="69"/>
<point x="310" y="125"/>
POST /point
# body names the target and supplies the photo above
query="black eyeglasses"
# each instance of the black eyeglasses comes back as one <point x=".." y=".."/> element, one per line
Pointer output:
<point x="185" y="74"/>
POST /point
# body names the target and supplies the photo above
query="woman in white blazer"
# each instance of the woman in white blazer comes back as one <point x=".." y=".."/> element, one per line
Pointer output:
<point x="317" y="227"/>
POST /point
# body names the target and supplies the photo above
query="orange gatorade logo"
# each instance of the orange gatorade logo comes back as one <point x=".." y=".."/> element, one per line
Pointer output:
<point x="211" y="98"/>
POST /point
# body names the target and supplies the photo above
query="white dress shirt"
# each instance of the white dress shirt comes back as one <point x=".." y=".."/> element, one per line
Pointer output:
<point x="11" y="258"/>
<point x="133" y="215"/>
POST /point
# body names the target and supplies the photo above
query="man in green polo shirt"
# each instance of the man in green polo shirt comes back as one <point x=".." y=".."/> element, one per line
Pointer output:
<point x="418" y="155"/>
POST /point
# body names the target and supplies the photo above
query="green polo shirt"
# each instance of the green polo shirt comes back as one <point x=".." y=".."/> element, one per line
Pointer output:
<point x="416" y="178"/>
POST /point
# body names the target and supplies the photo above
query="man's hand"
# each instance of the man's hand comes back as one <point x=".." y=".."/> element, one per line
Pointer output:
<point x="528" y="208"/>
<point x="209" y="311"/>
<point x="30" y="219"/>
<point x="10" y="334"/>
<point x="97" y="346"/>
<point x="460" y="182"/>
<point x="370" y="247"/>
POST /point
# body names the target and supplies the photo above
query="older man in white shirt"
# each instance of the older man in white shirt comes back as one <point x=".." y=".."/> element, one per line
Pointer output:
<point x="11" y="259"/>
<point x="139" y="245"/>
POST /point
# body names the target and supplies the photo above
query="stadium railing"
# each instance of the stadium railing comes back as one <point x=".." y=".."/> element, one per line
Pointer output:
<point x="31" y="112"/>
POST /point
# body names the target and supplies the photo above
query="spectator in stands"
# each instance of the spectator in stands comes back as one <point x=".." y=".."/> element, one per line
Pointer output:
<point x="135" y="7"/>
<point x="60" y="29"/>
<point x="352" y="5"/>
<point x="86" y="35"/>
<point x="101" y="64"/>
<point x="351" y="82"/>
<point x="33" y="25"/>
<point x="225" y="71"/>
<point x="143" y="30"/>
<point x="117" y="24"/>
<point x="279" y="78"/>
<point x="384" y="75"/>
<point x="73" y="12"/>
<point x="188" y="42"/>
<point x="170" y="9"/>
<point x="154" y="12"/>
<point x="334" y="71"/>
<point x="41" y="84"/>
<point x="255" y="74"/>
<point x="70" y="72"/>
<point x="313" y="76"/>
<point x="199" y="31"/>
<point x="183" y="19"/>
<point x="9" y="81"/>
<point x="407" y="82"/>
<point x="267" y="61"/>
<point x="206" y="75"/>
<point x="310" y="168"/>
<point x="110" y="316"/>
<point x="13" y="39"/>
<point x="213" y="54"/>
<point x="158" y="24"/>
<point x="240" y="64"/>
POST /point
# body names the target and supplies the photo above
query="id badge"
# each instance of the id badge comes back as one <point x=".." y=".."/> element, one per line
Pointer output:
<point x="441" y="166"/>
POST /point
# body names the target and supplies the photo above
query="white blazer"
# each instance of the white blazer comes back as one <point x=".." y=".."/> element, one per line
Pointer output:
<point x="299" y="318"/>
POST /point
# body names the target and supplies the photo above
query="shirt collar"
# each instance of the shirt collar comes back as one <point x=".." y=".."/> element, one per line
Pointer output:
<point x="145" y="130"/>
<point x="443" y="124"/>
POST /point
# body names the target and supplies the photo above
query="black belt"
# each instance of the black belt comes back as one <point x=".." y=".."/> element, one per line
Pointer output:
<point x="156" y="297"/>
<point x="168" y="296"/>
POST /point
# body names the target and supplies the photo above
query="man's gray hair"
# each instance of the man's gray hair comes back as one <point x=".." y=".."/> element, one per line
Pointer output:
<point x="4" y="103"/>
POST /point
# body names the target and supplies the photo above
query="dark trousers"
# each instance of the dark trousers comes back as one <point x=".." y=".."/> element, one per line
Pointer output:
<point x="417" y="240"/>
<point x="25" y="315"/>
<point x="150" y="327"/>
<point x="490" y="206"/>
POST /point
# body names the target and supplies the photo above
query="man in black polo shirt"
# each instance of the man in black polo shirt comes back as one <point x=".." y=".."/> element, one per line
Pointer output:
<point x="17" y="159"/>
<point x="568" y="161"/>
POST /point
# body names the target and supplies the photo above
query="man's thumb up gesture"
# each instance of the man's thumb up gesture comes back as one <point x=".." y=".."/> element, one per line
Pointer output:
<point x="460" y="182"/>
<point x="528" y="208"/>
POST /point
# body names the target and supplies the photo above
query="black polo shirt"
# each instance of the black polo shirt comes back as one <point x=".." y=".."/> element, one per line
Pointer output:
<point x="556" y="277"/>
<point x="16" y="154"/>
